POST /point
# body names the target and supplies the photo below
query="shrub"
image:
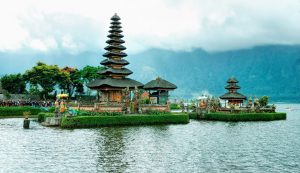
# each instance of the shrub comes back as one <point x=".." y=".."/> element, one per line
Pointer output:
<point x="155" y="112"/>
<point x="51" y="109"/>
<point x="193" y="115"/>
<point x="43" y="115"/>
<point x="174" y="106"/>
<point x="263" y="101"/>
<point x="100" y="121"/>
<point x="245" y="116"/>
<point x="89" y="113"/>
<point x="18" y="111"/>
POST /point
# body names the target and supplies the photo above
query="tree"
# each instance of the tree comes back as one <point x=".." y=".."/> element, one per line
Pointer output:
<point x="70" y="80"/>
<point x="45" y="76"/>
<point x="263" y="101"/>
<point x="89" y="73"/>
<point x="13" y="83"/>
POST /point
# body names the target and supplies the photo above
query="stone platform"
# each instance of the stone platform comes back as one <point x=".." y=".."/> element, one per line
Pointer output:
<point x="52" y="122"/>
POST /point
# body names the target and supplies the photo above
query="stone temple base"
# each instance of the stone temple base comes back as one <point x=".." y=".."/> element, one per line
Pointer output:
<point x="52" y="121"/>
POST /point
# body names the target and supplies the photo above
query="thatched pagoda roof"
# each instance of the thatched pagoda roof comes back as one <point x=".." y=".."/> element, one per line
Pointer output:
<point x="112" y="61"/>
<point x="232" y="87"/>
<point x="116" y="83"/>
<point x="234" y="95"/>
<point x="232" y="80"/>
<point x="159" y="83"/>
<point x="123" y="71"/>
<point x="115" y="74"/>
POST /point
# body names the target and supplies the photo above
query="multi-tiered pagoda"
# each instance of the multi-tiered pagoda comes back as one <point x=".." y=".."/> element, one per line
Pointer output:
<point x="232" y="96"/>
<point x="115" y="75"/>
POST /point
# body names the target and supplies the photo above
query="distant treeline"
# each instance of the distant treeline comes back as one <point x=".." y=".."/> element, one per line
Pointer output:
<point x="43" y="79"/>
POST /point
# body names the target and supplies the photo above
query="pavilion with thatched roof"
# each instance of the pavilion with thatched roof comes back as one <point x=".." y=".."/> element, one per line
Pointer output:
<point x="232" y="96"/>
<point x="159" y="90"/>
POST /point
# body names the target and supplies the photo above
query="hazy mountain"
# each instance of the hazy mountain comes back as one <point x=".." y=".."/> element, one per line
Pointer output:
<point x="264" y="70"/>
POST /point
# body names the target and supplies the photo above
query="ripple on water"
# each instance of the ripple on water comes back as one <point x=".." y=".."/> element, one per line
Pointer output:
<point x="200" y="146"/>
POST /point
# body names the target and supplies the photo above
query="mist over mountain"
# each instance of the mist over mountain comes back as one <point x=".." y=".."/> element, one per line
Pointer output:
<point x="264" y="70"/>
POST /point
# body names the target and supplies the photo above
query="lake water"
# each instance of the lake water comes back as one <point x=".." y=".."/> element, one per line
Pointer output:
<point x="199" y="146"/>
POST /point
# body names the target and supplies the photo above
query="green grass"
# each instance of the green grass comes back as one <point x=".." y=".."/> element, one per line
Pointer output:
<point x="18" y="111"/>
<point x="245" y="116"/>
<point x="101" y="121"/>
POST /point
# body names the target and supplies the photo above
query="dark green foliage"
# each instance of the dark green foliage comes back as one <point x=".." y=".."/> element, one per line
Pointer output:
<point x="18" y="111"/>
<point x="51" y="109"/>
<point x="70" y="81"/>
<point x="13" y="83"/>
<point x="46" y="76"/>
<point x="89" y="113"/>
<point x="89" y="73"/>
<point x="100" y="121"/>
<point x="193" y="115"/>
<point x="263" y="101"/>
<point x="43" y="115"/>
<point x="245" y="116"/>
<point x="156" y="112"/>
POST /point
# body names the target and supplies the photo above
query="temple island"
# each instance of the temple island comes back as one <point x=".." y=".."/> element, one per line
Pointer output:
<point x="125" y="101"/>
<point x="234" y="106"/>
<point x="119" y="93"/>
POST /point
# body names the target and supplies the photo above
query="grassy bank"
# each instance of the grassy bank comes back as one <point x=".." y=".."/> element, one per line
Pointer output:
<point x="101" y="121"/>
<point x="245" y="116"/>
<point x="13" y="111"/>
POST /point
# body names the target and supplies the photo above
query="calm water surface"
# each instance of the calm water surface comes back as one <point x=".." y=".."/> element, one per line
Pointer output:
<point x="196" y="147"/>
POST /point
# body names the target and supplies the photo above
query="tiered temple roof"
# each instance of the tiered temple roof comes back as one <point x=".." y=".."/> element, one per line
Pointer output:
<point x="159" y="84"/>
<point x="115" y="74"/>
<point x="232" y="90"/>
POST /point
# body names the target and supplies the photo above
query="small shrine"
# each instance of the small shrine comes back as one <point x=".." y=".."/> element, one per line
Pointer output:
<point x="159" y="90"/>
<point x="114" y="78"/>
<point x="232" y="97"/>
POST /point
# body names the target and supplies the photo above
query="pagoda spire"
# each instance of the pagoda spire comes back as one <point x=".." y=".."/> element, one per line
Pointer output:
<point x="114" y="61"/>
<point x="232" y="86"/>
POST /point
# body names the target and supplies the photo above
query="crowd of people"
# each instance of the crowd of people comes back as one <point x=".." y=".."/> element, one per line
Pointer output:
<point x="34" y="103"/>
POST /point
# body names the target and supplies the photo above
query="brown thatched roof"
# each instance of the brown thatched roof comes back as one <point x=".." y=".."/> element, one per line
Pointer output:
<point x="123" y="71"/>
<point x="111" y="82"/>
<point x="232" y="80"/>
<point x="115" y="17"/>
<point x="159" y="83"/>
<point x="232" y="87"/>
<point x="112" y="61"/>
<point x="234" y="95"/>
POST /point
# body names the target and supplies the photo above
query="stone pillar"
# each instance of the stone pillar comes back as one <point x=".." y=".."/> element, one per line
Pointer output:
<point x="26" y="123"/>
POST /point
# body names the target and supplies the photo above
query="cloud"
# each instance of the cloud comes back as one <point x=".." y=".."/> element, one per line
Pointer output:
<point x="81" y="25"/>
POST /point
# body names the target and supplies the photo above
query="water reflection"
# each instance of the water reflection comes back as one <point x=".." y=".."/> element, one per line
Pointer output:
<point x="200" y="146"/>
<point x="111" y="145"/>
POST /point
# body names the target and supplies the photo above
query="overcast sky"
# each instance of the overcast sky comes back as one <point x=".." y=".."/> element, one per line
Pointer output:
<point x="81" y="25"/>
